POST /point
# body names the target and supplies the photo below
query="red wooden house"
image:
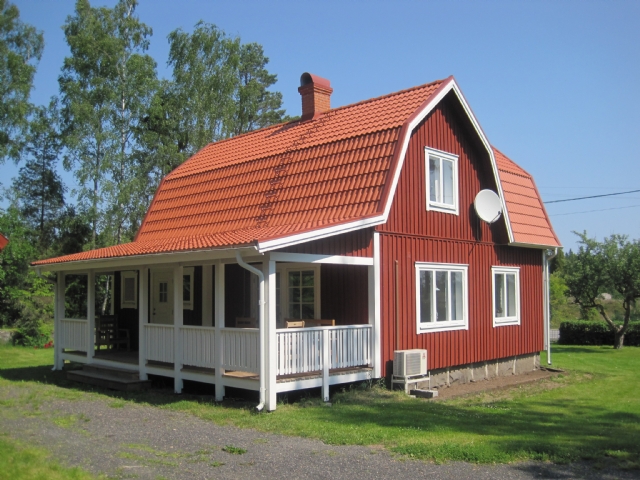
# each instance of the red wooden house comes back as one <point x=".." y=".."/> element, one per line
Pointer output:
<point x="355" y="225"/>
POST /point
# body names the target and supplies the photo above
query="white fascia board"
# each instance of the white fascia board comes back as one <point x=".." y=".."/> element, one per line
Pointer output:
<point x="533" y="245"/>
<point x="107" y="264"/>
<point x="309" y="258"/>
<point x="319" y="234"/>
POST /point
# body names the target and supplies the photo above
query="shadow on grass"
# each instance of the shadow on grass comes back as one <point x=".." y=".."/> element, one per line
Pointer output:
<point x="161" y="393"/>
<point x="599" y="349"/>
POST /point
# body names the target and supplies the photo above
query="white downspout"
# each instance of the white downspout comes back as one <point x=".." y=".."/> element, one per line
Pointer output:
<point x="260" y="275"/>
<point x="548" y="256"/>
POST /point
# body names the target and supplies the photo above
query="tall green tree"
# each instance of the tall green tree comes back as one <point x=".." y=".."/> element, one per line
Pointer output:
<point x="612" y="265"/>
<point x="39" y="187"/>
<point x="105" y="85"/>
<point x="20" y="50"/>
<point x="220" y="85"/>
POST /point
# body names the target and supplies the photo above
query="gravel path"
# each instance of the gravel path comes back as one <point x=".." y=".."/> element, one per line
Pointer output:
<point x="124" y="440"/>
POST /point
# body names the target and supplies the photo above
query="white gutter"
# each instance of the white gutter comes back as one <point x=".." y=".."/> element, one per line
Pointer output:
<point x="260" y="275"/>
<point x="546" y="257"/>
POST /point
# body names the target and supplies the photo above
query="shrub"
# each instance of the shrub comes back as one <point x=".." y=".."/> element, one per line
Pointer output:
<point x="31" y="328"/>
<point x="580" y="332"/>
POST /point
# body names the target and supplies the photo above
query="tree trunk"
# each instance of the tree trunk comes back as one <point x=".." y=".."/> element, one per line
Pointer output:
<point x="618" y="341"/>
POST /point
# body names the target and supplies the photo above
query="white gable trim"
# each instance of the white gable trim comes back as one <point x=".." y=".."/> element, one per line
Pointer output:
<point x="416" y="119"/>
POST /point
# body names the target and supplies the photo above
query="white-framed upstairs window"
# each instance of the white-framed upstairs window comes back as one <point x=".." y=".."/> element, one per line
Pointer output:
<point x="506" y="296"/>
<point x="442" y="181"/>
<point x="129" y="289"/>
<point x="441" y="297"/>
<point x="187" y="288"/>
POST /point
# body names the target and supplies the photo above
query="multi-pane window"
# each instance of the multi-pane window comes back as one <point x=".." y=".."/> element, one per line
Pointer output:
<point x="301" y="294"/>
<point x="129" y="289"/>
<point x="441" y="297"/>
<point x="442" y="181"/>
<point x="506" y="296"/>
<point x="163" y="292"/>
<point x="187" y="288"/>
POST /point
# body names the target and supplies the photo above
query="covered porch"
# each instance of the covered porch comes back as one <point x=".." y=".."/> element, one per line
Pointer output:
<point x="233" y="328"/>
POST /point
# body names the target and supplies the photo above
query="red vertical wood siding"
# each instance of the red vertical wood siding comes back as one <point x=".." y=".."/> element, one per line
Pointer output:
<point x="352" y="244"/>
<point x="413" y="234"/>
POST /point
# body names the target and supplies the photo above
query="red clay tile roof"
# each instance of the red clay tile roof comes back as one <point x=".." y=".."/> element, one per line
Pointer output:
<point x="279" y="181"/>
<point x="529" y="220"/>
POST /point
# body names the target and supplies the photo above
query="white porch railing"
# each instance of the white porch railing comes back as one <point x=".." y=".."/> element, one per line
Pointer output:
<point x="302" y="350"/>
<point x="241" y="349"/>
<point x="73" y="334"/>
<point x="198" y="346"/>
<point x="159" y="342"/>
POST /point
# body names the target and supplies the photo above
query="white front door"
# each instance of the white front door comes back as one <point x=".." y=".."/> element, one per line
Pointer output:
<point x="162" y="297"/>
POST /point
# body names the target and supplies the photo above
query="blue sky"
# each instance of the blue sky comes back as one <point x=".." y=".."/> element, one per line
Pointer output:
<point x="555" y="85"/>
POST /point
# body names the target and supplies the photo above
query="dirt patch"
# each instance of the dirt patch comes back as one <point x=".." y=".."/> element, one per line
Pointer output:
<point x="495" y="384"/>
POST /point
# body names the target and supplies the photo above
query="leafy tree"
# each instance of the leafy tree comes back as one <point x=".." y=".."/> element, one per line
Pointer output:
<point x="220" y="87"/>
<point x="613" y="264"/>
<point x="105" y="84"/>
<point x="38" y="185"/>
<point x="20" y="50"/>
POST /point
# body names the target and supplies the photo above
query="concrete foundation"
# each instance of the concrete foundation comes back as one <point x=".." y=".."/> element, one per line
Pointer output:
<point x="476" y="372"/>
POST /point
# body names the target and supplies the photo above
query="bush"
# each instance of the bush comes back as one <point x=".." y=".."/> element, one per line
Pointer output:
<point x="31" y="328"/>
<point x="580" y="332"/>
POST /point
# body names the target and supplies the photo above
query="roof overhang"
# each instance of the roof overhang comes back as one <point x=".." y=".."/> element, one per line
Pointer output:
<point x="156" y="259"/>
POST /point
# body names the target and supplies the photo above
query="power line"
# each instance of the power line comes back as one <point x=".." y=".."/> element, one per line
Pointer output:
<point x="589" y="211"/>
<point x="592" y="196"/>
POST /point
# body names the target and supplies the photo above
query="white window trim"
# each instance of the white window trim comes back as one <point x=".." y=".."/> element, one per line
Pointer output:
<point x="503" y="321"/>
<point x="435" y="206"/>
<point x="188" y="305"/>
<point x="284" y="269"/>
<point x="450" y="325"/>
<point x="129" y="274"/>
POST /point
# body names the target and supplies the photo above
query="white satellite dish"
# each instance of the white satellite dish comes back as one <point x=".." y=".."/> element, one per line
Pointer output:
<point x="488" y="205"/>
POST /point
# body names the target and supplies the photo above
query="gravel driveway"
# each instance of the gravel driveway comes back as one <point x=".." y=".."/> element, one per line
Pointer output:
<point x="125" y="440"/>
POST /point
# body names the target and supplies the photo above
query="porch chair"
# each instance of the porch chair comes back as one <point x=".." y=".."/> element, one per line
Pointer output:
<point x="292" y="323"/>
<point x="320" y="323"/>
<point x="246" y="322"/>
<point x="108" y="333"/>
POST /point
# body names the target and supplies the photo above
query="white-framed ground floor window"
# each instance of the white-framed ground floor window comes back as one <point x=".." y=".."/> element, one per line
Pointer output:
<point x="506" y="296"/>
<point x="297" y="291"/>
<point x="441" y="297"/>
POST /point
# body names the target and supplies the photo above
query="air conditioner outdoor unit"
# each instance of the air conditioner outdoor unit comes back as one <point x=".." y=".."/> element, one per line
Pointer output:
<point x="409" y="362"/>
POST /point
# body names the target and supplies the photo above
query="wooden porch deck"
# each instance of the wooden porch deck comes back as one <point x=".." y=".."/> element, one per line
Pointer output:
<point x="131" y="358"/>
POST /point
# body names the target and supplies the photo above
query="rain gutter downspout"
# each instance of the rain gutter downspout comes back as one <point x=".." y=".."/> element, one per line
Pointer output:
<point x="548" y="256"/>
<point x="260" y="275"/>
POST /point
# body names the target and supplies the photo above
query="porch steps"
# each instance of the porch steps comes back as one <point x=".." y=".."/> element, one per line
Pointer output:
<point x="109" y="377"/>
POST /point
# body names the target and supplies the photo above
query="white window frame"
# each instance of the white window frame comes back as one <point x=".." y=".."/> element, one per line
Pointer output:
<point x="283" y="269"/>
<point x="503" y="321"/>
<point x="129" y="274"/>
<point x="448" y="325"/>
<point x="188" y="304"/>
<point x="439" y="206"/>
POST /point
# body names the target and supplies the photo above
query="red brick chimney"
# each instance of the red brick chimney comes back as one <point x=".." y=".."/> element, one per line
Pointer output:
<point x="316" y="96"/>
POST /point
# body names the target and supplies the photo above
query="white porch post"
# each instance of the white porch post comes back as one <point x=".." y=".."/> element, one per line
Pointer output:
<point x="219" y="323"/>
<point x="271" y="347"/>
<point x="178" y="272"/>
<point x="374" y="306"/>
<point x="143" y="318"/>
<point x="91" y="314"/>
<point x="58" y="312"/>
<point x="326" y="363"/>
<point x="207" y="299"/>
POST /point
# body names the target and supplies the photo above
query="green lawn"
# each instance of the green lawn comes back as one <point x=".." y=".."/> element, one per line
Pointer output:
<point x="590" y="412"/>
